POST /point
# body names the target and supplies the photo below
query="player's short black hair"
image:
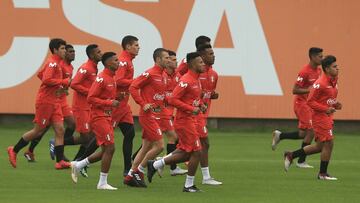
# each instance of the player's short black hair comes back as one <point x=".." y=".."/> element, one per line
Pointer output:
<point x="128" y="39"/>
<point x="327" y="61"/>
<point x="191" y="56"/>
<point x="56" y="43"/>
<point x="202" y="39"/>
<point x="203" y="47"/>
<point x="69" y="46"/>
<point x="157" y="53"/>
<point x="314" y="51"/>
<point x="171" y="53"/>
<point x="90" y="48"/>
<point x="106" y="56"/>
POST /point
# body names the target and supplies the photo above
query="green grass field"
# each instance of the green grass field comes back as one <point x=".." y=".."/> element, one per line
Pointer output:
<point x="250" y="171"/>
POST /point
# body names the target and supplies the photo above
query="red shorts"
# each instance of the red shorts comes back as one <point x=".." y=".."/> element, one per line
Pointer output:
<point x="82" y="120"/>
<point x="189" y="140"/>
<point x="201" y="127"/>
<point x="48" y="113"/>
<point x="150" y="128"/>
<point x="103" y="130"/>
<point x="304" y="114"/>
<point x="122" y="114"/>
<point x="323" y="131"/>
<point x="166" y="124"/>
<point x="66" y="110"/>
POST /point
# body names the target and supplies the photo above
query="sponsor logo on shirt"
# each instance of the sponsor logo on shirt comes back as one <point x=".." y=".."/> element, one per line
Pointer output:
<point x="145" y="74"/>
<point x="122" y="63"/>
<point x="52" y="65"/>
<point x="98" y="79"/>
<point x="82" y="71"/>
<point x="159" y="97"/>
<point x="183" y="85"/>
<point x="331" y="101"/>
<point x="196" y="103"/>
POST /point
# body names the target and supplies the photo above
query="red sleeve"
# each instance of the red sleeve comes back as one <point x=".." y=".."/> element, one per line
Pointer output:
<point x="136" y="85"/>
<point x="178" y="93"/>
<point x="120" y="79"/>
<point x="183" y="68"/>
<point x="48" y="76"/>
<point x="314" y="96"/>
<point x="301" y="79"/>
<point x="95" y="92"/>
<point x="76" y="84"/>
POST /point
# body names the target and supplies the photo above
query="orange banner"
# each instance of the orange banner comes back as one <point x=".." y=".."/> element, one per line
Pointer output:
<point x="259" y="45"/>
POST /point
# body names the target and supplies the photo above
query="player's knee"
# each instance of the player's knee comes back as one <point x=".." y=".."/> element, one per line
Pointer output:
<point x="59" y="131"/>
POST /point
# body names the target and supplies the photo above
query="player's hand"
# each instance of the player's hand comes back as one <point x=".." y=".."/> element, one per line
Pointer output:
<point x="147" y="107"/>
<point x="214" y="95"/>
<point x="196" y="111"/>
<point x="338" y="106"/>
<point x="115" y="103"/>
<point x="330" y="110"/>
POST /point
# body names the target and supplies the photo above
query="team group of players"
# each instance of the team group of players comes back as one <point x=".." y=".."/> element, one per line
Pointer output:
<point x="314" y="105"/>
<point x="100" y="104"/>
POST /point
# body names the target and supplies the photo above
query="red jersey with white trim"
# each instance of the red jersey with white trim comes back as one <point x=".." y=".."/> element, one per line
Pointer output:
<point x="186" y="95"/>
<point x="183" y="67"/>
<point x="124" y="75"/>
<point x="52" y="81"/>
<point x="101" y="94"/>
<point x="208" y="81"/>
<point x="322" y="96"/>
<point x="81" y="84"/>
<point x="171" y="81"/>
<point x="305" y="79"/>
<point x="67" y="73"/>
<point x="149" y="87"/>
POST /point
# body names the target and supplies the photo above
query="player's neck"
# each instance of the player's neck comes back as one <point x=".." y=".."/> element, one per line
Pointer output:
<point x="313" y="65"/>
<point x="169" y="71"/>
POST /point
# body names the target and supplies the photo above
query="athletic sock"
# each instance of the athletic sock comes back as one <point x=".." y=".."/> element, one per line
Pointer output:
<point x="323" y="167"/>
<point x="81" y="151"/>
<point x="302" y="158"/>
<point x="59" y="152"/>
<point x="170" y="148"/>
<point x="141" y="169"/>
<point x="189" y="181"/>
<point x="291" y="136"/>
<point x="103" y="178"/>
<point x="21" y="144"/>
<point x="69" y="141"/>
<point x="69" y="132"/>
<point x="128" y="131"/>
<point x="159" y="164"/>
<point x="130" y="172"/>
<point x="34" y="143"/>
<point x="81" y="164"/>
<point x="91" y="148"/>
<point x="298" y="153"/>
<point x="206" y="173"/>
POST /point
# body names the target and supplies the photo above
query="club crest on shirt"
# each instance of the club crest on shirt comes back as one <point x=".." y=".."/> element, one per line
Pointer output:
<point x="122" y="63"/>
<point x="316" y="86"/>
<point x="299" y="79"/>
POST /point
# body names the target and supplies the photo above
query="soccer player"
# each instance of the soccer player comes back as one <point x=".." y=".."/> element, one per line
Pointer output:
<point x="322" y="99"/>
<point x="48" y="106"/>
<point x="171" y="78"/>
<point x="102" y="97"/>
<point x="122" y="115"/>
<point x="186" y="97"/>
<point x="200" y="40"/>
<point x="148" y="90"/>
<point x="81" y="84"/>
<point x="208" y="81"/>
<point x="306" y="78"/>
<point x="67" y="69"/>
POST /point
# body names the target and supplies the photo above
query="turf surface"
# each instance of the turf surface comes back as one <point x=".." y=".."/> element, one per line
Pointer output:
<point x="250" y="171"/>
